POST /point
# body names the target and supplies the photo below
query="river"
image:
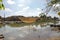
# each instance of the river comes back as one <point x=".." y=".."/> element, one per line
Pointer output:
<point x="29" y="32"/>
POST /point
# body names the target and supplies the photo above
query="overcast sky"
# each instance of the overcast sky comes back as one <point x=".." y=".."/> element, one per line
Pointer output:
<point x="24" y="7"/>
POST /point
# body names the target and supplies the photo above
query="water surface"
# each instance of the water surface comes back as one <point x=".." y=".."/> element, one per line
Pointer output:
<point x="28" y="32"/>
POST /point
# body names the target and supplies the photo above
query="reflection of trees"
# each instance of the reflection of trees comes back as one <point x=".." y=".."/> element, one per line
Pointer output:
<point x="19" y="25"/>
<point x="16" y="25"/>
<point x="43" y="25"/>
<point x="1" y="25"/>
<point x="26" y="24"/>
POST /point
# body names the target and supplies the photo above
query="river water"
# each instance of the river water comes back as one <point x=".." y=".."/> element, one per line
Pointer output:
<point x="28" y="32"/>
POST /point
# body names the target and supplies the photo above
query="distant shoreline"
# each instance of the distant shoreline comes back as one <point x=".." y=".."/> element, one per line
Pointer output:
<point x="22" y="19"/>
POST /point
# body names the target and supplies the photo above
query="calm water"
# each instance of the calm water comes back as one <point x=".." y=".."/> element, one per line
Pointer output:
<point x="28" y="32"/>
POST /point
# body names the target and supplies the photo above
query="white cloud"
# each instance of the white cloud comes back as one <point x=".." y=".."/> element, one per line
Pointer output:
<point x="21" y="5"/>
<point x="27" y="11"/>
<point x="8" y="10"/>
<point x="22" y="1"/>
<point x="38" y="9"/>
<point x="19" y="12"/>
<point x="26" y="8"/>
<point x="10" y="2"/>
<point x="25" y="1"/>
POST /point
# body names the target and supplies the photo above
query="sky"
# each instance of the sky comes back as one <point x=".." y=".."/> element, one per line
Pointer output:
<point x="24" y="8"/>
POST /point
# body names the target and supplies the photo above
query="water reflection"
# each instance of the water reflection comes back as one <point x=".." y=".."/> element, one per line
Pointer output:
<point x="1" y="25"/>
<point x="55" y="29"/>
<point x="28" y="32"/>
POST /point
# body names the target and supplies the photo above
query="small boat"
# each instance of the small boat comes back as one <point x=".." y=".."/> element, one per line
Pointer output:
<point x="54" y="25"/>
<point x="1" y="36"/>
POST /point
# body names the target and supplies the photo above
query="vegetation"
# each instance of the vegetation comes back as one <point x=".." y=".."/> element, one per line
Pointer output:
<point x="1" y="25"/>
<point x="50" y="4"/>
<point x="1" y="5"/>
<point x="59" y="13"/>
<point x="40" y="19"/>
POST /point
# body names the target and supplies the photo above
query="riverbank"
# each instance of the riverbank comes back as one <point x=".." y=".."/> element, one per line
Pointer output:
<point x="22" y="19"/>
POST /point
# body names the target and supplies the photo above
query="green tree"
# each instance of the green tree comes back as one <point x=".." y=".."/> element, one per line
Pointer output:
<point x="59" y="13"/>
<point x="1" y="5"/>
<point x="41" y="14"/>
<point x="52" y="2"/>
<point x="50" y="5"/>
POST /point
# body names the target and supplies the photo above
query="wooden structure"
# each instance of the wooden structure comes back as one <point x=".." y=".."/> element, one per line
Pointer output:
<point x="28" y="19"/>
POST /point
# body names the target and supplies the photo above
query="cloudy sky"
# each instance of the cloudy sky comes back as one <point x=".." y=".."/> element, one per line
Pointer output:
<point x="24" y="7"/>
